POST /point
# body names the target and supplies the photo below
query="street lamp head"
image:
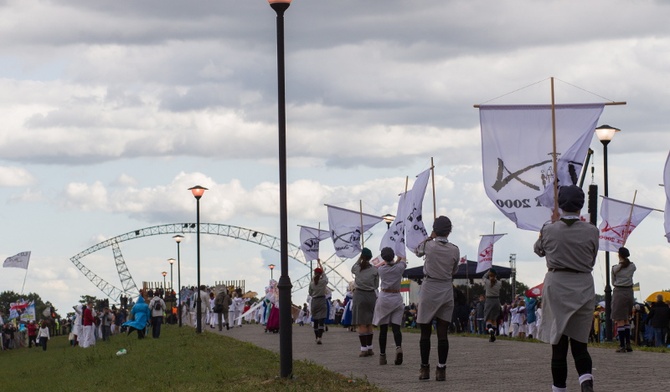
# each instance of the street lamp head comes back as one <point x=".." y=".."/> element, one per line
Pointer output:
<point x="197" y="191"/>
<point x="171" y="260"/>
<point x="279" y="5"/>
<point x="178" y="238"/>
<point x="605" y="133"/>
<point x="164" y="273"/>
<point x="279" y="2"/>
<point x="272" y="266"/>
<point x="388" y="218"/>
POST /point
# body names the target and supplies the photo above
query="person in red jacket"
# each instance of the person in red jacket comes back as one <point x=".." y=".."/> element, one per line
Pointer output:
<point x="32" y="333"/>
<point x="88" y="323"/>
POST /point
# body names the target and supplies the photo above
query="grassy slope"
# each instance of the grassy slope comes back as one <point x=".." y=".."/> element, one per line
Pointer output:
<point x="179" y="361"/>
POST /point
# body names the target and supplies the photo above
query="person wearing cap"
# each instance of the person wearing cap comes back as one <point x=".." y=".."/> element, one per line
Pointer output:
<point x="437" y="295"/>
<point x="366" y="281"/>
<point x="623" y="298"/>
<point x="492" y="305"/>
<point x="389" y="307"/>
<point x="570" y="247"/>
<point x="318" y="288"/>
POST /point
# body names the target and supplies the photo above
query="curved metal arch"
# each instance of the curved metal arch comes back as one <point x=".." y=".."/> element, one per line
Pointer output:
<point x="234" y="232"/>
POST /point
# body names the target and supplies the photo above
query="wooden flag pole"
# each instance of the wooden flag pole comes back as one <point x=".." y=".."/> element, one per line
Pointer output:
<point x="406" y="183"/>
<point x="362" y="237"/>
<point x="630" y="217"/>
<point x="553" y="154"/>
<point x="432" y="175"/>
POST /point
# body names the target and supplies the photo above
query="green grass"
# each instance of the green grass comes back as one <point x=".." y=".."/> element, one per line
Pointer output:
<point x="179" y="361"/>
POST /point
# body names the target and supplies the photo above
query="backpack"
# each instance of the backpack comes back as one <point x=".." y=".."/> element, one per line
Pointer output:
<point x="158" y="306"/>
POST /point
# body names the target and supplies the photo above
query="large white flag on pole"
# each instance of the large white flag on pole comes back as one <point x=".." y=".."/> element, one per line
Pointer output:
<point x="666" y="180"/>
<point x="394" y="237"/>
<point x="619" y="219"/>
<point x="309" y="241"/>
<point x="346" y="228"/>
<point x="415" y="230"/>
<point x="19" y="260"/>
<point x="517" y="150"/>
<point x="485" y="252"/>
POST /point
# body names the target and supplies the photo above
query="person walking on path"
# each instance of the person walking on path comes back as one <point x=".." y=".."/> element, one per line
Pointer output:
<point x="570" y="247"/>
<point x="659" y="318"/>
<point x="366" y="280"/>
<point x="157" y="306"/>
<point x="43" y="335"/>
<point x="623" y="298"/>
<point x="389" y="306"/>
<point x="222" y="307"/>
<point x="318" y="288"/>
<point x="437" y="295"/>
<point x="492" y="305"/>
<point x="32" y="333"/>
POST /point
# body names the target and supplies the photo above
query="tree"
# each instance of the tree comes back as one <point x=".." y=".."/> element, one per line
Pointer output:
<point x="8" y="297"/>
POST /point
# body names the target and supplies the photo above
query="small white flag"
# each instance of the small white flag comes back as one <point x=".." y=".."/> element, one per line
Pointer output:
<point x="463" y="260"/>
<point x="485" y="252"/>
<point x="619" y="219"/>
<point x="309" y="241"/>
<point x="19" y="260"/>
<point x="394" y="237"/>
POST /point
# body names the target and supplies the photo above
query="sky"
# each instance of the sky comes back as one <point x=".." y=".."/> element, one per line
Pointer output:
<point x="112" y="110"/>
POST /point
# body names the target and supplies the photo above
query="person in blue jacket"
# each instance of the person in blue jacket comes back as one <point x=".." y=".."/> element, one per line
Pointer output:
<point x="140" y="313"/>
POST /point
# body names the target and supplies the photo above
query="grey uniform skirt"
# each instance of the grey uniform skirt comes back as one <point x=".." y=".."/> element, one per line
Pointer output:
<point x="492" y="309"/>
<point x="623" y="301"/>
<point x="363" y="307"/>
<point x="319" y="308"/>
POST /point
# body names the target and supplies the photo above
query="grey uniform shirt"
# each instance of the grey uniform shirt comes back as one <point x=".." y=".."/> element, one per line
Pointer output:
<point x="367" y="279"/>
<point x="623" y="276"/>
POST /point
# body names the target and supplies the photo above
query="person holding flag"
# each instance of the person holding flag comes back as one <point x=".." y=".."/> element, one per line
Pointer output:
<point x="492" y="305"/>
<point x="366" y="280"/>
<point x="437" y="295"/>
<point x="623" y="298"/>
<point x="389" y="307"/>
<point x="319" y="307"/>
<point x="570" y="247"/>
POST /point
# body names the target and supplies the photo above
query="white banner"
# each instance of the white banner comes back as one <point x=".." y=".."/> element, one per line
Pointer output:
<point x="666" y="181"/>
<point x="309" y="241"/>
<point x="485" y="252"/>
<point x="619" y="219"/>
<point x="394" y="237"/>
<point x="517" y="147"/>
<point x="415" y="230"/>
<point x="19" y="260"/>
<point x="346" y="227"/>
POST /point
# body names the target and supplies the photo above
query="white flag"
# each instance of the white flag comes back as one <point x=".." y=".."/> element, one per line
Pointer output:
<point x="616" y="226"/>
<point x="666" y="180"/>
<point x="19" y="260"/>
<point x="517" y="149"/>
<point x="394" y="237"/>
<point x="415" y="230"/>
<point x="309" y="241"/>
<point x="485" y="252"/>
<point x="346" y="227"/>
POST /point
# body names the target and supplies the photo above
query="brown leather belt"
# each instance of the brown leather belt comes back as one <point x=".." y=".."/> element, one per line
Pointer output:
<point x="390" y="291"/>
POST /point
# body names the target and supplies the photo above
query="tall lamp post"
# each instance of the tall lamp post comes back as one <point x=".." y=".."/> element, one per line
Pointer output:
<point x="197" y="192"/>
<point x="171" y="261"/>
<point x="284" y="284"/>
<point x="388" y="218"/>
<point x="605" y="134"/>
<point x="164" y="273"/>
<point x="272" y="268"/>
<point x="178" y="239"/>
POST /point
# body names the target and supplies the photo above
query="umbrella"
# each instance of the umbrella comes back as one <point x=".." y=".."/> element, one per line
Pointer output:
<point x="250" y="294"/>
<point x="665" y="294"/>
<point x="535" y="291"/>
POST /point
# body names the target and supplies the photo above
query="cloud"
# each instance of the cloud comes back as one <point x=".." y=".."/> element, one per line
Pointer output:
<point x="11" y="176"/>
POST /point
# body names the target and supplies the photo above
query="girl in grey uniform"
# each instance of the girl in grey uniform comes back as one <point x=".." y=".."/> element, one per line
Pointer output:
<point x="317" y="290"/>
<point x="623" y="298"/>
<point x="570" y="247"/>
<point x="389" y="307"/>
<point x="437" y="295"/>
<point x="366" y="280"/>
<point x="492" y="305"/>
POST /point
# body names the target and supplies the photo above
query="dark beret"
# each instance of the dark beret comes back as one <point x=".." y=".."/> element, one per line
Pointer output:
<point x="388" y="254"/>
<point x="366" y="253"/>
<point x="624" y="252"/>
<point x="442" y="226"/>
<point x="570" y="198"/>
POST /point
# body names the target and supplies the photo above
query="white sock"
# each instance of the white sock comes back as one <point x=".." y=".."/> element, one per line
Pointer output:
<point x="557" y="389"/>
<point x="370" y="347"/>
<point x="441" y="365"/>
<point x="585" y="377"/>
<point x="364" y="348"/>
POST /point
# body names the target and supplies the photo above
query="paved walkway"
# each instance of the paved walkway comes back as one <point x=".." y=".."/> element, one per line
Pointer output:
<point x="474" y="364"/>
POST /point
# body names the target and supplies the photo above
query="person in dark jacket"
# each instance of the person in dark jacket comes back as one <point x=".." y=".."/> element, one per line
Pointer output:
<point x="658" y="318"/>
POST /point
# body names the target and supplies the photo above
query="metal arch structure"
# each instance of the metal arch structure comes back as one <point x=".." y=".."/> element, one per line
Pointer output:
<point x="235" y="232"/>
